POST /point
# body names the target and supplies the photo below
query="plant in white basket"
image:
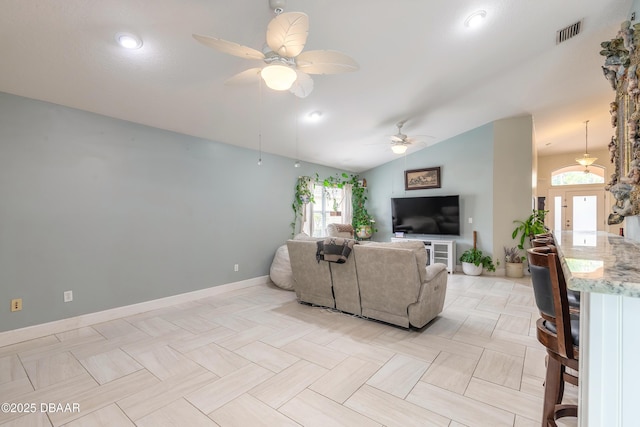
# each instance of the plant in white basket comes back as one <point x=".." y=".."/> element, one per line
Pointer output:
<point x="473" y="261"/>
<point x="514" y="262"/>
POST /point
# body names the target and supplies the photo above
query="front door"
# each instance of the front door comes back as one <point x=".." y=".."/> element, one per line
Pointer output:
<point x="580" y="210"/>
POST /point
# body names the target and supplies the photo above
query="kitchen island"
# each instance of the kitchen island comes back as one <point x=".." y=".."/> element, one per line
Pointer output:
<point x="606" y="269"/>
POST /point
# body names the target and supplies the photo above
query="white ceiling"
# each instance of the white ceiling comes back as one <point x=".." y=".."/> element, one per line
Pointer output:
<point x="417" y="61"/>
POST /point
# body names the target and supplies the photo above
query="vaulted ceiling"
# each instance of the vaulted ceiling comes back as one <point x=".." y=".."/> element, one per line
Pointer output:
<point x="418" y="62"/>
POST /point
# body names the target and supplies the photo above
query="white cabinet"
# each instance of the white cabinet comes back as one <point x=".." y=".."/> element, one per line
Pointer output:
<point x="442" y="251"/>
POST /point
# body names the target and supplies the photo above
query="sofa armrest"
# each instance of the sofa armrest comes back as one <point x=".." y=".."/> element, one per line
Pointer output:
<point x="433" y="270"/>
<point x="431" y="296"/>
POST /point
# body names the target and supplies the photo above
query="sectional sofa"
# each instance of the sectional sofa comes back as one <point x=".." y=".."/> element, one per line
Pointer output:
<point x="384" y="281"/>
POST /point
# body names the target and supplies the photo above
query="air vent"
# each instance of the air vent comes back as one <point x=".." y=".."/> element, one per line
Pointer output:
<point x="567" y="32"/>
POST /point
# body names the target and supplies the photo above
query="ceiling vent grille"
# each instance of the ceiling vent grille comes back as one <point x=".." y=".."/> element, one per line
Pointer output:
<point x="567" y="32"/>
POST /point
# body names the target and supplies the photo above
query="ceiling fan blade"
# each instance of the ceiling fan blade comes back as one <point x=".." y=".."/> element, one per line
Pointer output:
<point x="230" y="48"/>
<point x="287" y="33"/>
<point x="326" y="62"/>
<point x="420" y="139"/>
<point x="251" y="75"/>
<point x="398" y="138"/>
<point x="303" y="85"/>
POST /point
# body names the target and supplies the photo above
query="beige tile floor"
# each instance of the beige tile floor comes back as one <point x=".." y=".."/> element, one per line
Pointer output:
<point x="255" y="357"/>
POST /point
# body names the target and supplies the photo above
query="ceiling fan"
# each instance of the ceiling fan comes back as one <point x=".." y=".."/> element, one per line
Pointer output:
<point x="287" y="66"/>
<point x="400" y="141"/>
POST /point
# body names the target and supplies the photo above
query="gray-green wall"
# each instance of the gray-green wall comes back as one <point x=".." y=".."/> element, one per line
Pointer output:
<point x="490" y="169"/>
<point x="122" y="213"/>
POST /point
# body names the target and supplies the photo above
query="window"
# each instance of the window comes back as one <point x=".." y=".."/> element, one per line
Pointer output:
<point x="575" y="175"/>
<point x="327" y="209"/>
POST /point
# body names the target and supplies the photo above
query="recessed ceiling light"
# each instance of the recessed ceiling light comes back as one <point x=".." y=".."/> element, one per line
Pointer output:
<point x="475" y="19"/>
<point x="315" y="115"/>
<point x="129" y="41"/>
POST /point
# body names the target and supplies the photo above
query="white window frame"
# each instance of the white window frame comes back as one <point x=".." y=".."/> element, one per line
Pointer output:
<point x="593" y="170"/>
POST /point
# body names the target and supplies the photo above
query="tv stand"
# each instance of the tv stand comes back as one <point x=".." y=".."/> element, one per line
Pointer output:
<point x="442" y="251"/>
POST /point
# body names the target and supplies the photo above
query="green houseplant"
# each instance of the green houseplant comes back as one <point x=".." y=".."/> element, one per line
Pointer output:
<point x="362" y="221"/>
<point x="531" y="226"/>
<point x="514" y="262"/>
<point x="473" y="260"/>
<point x="475" y="257"/>
<point x="303" y="195"/>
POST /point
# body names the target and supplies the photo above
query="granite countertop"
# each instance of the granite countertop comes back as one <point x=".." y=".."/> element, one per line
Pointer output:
<point x="596" y="261"/>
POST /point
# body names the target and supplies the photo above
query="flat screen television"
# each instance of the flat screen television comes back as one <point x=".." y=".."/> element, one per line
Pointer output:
<point x="426" y="215"/>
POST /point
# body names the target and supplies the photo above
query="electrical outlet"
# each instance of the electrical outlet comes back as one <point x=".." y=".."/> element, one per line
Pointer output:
<point x="16" y="304"/>
<point x="470" y="220"/>
<point x="236" y="267"/>
<point x="68" y="296"/>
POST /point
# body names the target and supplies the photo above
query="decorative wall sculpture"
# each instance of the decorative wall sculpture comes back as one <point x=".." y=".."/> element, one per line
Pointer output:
<point x="621" y="69"/>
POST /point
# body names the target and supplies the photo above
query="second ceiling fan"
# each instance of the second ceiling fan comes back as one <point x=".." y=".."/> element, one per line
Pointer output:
<point x="287" y="66"/>
<point x="400" y="141"/>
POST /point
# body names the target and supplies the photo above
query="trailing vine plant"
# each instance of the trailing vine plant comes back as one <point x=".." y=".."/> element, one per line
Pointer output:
<point x="304" y="195"/>
<point x="361" y="217"/>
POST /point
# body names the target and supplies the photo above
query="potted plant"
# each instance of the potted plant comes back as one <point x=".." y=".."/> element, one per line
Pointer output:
<point x="362" y="222"/>
<point x="530" y="226"/>
<point x="303" y="195"/>
<point x="473" y="261"/>
<point x="514" y="262"/>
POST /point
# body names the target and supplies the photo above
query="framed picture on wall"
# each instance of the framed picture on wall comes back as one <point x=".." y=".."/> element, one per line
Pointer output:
<point x="419" y="179"/>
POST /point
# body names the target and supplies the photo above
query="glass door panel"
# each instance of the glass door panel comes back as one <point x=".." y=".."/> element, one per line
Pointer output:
<point x="585" y="213"/>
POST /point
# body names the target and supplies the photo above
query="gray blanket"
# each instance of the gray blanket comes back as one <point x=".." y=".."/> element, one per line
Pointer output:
<point x="334" y="249"/>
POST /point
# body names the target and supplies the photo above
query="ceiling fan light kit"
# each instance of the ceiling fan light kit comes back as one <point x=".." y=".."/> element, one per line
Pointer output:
<point x="398" y="148"/>
<point x="287" y="67"/>
<point x="400" y="142"/>
<point x="278" y="77"/>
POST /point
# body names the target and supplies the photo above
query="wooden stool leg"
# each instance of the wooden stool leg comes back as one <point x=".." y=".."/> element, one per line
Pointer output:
<point x="553" y="387"/>
<point x="561" y="388"/>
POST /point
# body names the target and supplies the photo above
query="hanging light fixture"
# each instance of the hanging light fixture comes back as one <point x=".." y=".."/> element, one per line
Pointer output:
<point x="399" y="148"/>
<point x="260" y="123"/>
<point x="278" y="77"/>
<point x="297" y="163"/>
<point x="586" y="160"/>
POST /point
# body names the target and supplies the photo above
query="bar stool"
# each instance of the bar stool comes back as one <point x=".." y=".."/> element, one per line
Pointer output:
<point x="557" y="330"/>
<point x="542" y="240"/>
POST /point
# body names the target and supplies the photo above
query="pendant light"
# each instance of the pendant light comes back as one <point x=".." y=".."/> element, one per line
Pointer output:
<point x="586" y="160"/>
<point x="297" y="164"/>
<point x="260" y="123"/>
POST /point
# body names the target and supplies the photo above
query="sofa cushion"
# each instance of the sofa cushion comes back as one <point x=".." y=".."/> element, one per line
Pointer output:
<point x="312" y="278"/>
<point x="388" y="280"/>
<point x="418" y="249"/>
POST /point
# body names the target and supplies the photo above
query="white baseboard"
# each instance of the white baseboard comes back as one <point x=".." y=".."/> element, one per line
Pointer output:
<point x="57" y="326"/>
